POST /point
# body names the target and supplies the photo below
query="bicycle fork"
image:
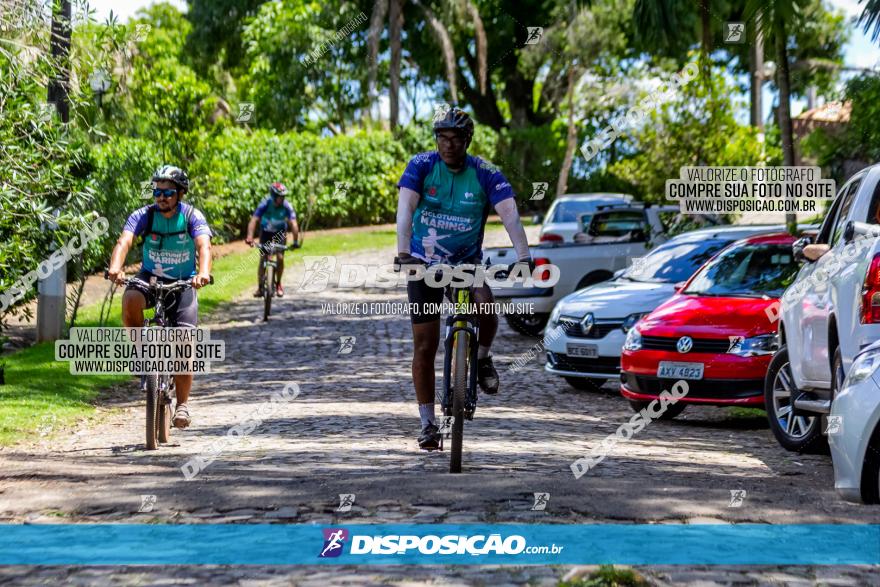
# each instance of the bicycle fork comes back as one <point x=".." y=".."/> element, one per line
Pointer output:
<point x="455" y="324"/>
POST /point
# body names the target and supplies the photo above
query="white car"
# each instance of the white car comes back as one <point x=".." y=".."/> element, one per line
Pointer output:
<point x="853" y="430"/>
<point x="593" y="321"/>
<point x="564" y="217"/>
<point x="827" y="316"/>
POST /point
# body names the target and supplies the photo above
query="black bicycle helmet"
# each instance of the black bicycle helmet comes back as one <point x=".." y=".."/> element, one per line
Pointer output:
<point x="455" y="119"/>
<point x="278" y="190"/>
<point x="173" y="174"/>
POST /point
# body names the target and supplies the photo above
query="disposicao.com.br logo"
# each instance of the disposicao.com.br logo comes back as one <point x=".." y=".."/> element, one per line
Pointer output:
<point x="431" y="544"/>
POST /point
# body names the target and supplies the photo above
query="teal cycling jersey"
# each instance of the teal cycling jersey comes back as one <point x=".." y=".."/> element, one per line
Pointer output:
<point x="169" y="244"/>
<point x="274" y="218"/>
<point x="450" y="218"/>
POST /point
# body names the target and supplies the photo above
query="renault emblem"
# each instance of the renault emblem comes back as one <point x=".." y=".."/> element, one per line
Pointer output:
<point x="684" y="344"/>
<point x="587" y="323"/>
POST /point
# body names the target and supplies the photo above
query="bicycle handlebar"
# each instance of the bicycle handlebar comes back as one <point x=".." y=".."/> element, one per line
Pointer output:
<point x="180" y="284"/>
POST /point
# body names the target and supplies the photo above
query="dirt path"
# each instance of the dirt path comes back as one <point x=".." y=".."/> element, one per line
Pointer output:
<point x="352" y="430"/>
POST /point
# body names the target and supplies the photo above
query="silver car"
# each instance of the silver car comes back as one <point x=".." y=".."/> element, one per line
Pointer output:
<point x="853" y="431"/>
<point x="564" y="217"/>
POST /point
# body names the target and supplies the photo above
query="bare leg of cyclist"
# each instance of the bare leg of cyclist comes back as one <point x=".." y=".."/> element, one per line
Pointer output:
<point x="279" y="291"/>
<point x="182" y="385"/>
<point x="133" y="305"/>
<point x="261" y="269"/>
<point x="487" y="376"/>
<point x="426" y="339"/>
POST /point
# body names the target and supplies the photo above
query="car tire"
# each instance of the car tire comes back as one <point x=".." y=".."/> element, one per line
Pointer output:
<point x="528" y="324"/>
<point x="870" y="482"/>
<point x="798" y="434"/>
<point x="672" y="410"/>
<point x="586" y="384"/>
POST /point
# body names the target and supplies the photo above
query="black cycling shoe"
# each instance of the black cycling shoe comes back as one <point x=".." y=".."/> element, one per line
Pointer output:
<point x="258" y="293"/>
<point x="487" y="376"/>
<point x="430" y="438"/>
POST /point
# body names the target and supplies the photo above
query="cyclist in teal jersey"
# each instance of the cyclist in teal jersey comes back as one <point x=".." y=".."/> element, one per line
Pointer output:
<point x="176" y="245"/>
<point x="275" y="215"/>
<point x="445" y="198"/>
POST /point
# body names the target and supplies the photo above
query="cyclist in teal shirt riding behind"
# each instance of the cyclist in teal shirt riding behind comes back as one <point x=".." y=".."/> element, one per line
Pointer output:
<point x="444" y="201"/>
<point x="275" y="215"/>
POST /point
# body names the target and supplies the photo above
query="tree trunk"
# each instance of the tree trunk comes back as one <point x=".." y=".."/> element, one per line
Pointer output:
<point x="442" y="35"/>
<point x="60" y="45"/>
<point x="784" y="112"/>
<point x="756" y="77"/>
<point x="571" y="138"/>
<point x="396" y="16"/>
<point x="481" y="44"/>
<point x="380" y="10"/>
<point x="706" y="42"/>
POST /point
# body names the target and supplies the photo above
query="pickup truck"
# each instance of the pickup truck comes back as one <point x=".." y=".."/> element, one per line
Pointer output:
<point x="827" y="316"/>
<point x="610" y="239"/>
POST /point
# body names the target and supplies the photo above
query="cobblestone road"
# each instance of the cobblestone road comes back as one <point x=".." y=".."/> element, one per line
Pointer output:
<point x="352" y="430"/>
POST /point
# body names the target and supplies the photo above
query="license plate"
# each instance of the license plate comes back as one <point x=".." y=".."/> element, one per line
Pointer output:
<point x="589" y="351"/>
<point x="672" y="370"/>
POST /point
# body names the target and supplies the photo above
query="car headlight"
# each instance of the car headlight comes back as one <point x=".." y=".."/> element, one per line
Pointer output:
<point x="554" y="315"/>
<point x="765" y="344"/>
<point x="631" y="320"/>
<point x="633" y="340"/>
<point x="862" y="367"/>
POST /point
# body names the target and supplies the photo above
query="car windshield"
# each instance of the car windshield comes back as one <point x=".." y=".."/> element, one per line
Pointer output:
<point x="751" y="270"/>
<point x="674" y="262"/>
<point x="571" y="210"/>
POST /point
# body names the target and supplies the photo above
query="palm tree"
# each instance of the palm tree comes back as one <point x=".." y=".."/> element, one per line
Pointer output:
<point x="773" y="17"/>
<point x="394" y="8"/>
<point x="870" y="17"/>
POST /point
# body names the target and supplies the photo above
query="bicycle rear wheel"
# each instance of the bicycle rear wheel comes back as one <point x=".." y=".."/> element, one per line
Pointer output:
<point x="269" y="291"/>
<point x="152" y="427"/>
<point x="459" y="391"/>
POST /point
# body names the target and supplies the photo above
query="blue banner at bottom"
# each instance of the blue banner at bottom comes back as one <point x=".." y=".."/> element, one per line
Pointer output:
<point x="421" y="544"/>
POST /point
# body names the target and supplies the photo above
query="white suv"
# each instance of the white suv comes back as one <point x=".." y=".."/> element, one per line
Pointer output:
<point x="827" y="315"/>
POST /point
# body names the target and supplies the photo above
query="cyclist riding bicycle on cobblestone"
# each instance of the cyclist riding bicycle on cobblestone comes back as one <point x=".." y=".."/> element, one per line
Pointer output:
<point x="275" y="215"/>
<point x="176" y="241"/>
<point x="444" y="201"/>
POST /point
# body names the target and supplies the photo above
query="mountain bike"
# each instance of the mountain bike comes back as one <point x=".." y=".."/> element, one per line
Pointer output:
<point x="159" y="387"/>
<point x="270" y="266"/>
<point x="459" y="398"/>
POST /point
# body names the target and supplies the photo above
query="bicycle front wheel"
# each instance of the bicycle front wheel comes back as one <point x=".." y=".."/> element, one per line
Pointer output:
<point x="459" y="392"/>
<point x="267" y="293"/>
<point x="152" y="426"/>
<point x="163" y="419"/>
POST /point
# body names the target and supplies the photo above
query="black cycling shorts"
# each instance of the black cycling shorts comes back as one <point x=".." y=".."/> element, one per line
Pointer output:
<point x="425" y="300"/>
<point x="279" y="238"/>
<point x="183" y="307"/>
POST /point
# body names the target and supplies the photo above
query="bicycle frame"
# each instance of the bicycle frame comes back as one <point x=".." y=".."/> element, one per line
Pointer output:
<point x="469" y="324"/>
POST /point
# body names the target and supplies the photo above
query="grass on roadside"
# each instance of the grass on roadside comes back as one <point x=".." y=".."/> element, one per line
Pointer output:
<point x="608" y="576"/>
<point x="41" y="395"/>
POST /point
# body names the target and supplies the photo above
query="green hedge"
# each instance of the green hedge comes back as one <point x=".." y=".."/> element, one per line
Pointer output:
<point x="234" y="172"/>
<point x="233" y="168"/>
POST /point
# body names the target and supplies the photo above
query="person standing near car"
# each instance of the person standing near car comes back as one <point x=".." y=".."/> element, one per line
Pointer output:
<point x="176" y="245"/>
<point x="275" y="215"/>
<point x="444" y="201"/>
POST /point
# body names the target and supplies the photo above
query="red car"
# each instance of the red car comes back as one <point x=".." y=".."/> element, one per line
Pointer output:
<point x="715" y="332"/>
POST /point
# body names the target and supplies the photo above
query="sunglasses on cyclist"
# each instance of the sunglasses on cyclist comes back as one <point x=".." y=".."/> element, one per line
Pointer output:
<point x="169" y="193"/>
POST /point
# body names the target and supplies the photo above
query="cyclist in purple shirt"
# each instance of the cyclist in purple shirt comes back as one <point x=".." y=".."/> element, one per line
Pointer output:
<point x="176" y="245"/>
<point x="445" y="198"/>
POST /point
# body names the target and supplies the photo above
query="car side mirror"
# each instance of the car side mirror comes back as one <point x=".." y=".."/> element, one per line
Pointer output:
<point x="537" y="219"/>
<point x="638" y="236"/>
<point x="679" y="286"/>
<point x="849" y="231"/>
<point x="797" y="249"/>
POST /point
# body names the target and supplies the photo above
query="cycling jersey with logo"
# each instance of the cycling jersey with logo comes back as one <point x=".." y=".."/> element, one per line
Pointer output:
<point x="274" y="218"/>
<point x="450" y="218"/>
<point x="169" y="248"/>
